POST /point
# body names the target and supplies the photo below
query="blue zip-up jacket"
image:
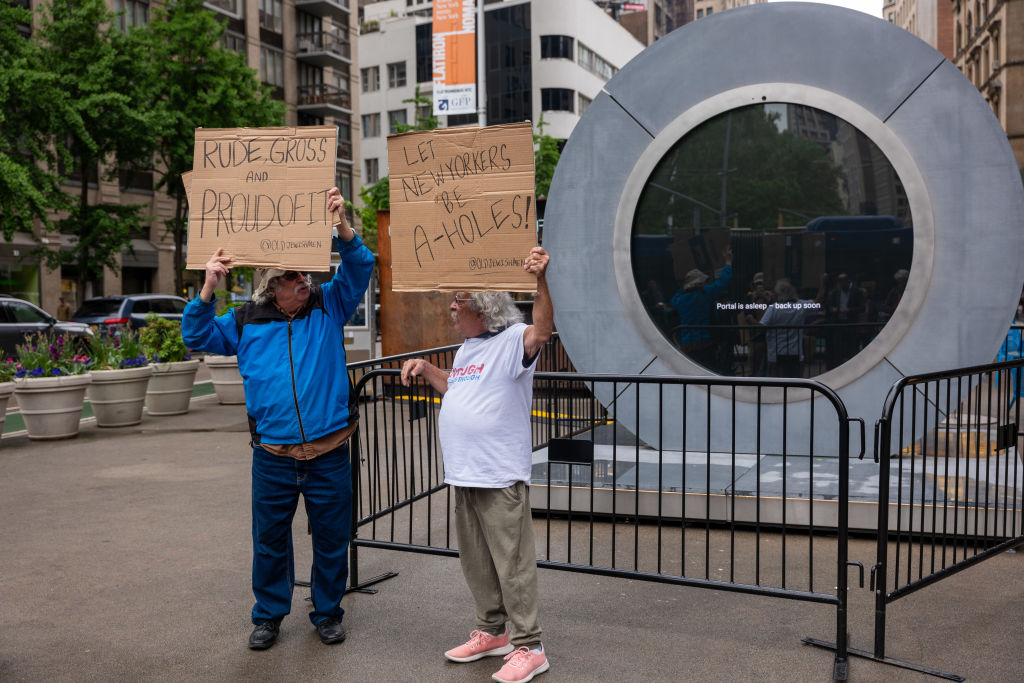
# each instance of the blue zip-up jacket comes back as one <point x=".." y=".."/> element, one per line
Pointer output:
<point x="296" y="382"/>
<point x="694" y="307"/>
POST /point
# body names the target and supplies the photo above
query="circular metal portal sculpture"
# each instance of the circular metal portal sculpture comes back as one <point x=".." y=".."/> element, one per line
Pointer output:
<point x="948" y="150"/>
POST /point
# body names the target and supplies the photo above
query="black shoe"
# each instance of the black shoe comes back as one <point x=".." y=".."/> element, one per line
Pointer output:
<point x="331" y="631"/>
<point x="264" y="635"/>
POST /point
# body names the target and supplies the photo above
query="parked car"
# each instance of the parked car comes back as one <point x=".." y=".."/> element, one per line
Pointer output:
<point x="112" y="313"/>
<point x="19" y="320"/>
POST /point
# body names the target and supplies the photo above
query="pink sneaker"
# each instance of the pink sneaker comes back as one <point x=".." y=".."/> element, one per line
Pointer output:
<point x="521" y="666"/>
<point x="480" y="645"/>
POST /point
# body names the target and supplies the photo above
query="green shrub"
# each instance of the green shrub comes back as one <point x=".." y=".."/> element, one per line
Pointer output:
<point x="161" y="340"/>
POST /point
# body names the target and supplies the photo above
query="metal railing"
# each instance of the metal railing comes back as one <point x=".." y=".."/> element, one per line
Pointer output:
<point x="322" y="41"/>
<point x="321" y="93"/>
<point x="606" y="503"/>
<point x="950" y="489"/>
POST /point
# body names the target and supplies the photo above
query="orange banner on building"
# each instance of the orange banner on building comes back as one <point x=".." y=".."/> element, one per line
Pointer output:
<point x="454" y="50"/>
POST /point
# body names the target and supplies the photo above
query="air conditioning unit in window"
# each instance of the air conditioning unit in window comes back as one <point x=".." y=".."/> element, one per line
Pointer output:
<point x="305" y="45"/>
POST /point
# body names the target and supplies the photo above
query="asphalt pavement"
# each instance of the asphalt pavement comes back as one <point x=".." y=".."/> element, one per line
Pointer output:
<point x="126" y="554"/>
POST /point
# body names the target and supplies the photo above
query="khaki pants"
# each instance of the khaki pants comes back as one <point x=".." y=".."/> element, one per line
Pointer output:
<point x="499" y="559"/>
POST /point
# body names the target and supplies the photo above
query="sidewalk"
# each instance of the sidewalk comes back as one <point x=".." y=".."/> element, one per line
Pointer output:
<point x="126" y="556"/>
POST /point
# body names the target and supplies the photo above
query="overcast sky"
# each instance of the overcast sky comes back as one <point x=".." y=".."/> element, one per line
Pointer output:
<point x="872" y="7"/>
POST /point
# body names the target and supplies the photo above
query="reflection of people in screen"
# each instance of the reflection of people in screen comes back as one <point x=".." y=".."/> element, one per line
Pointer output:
<point x="895" y="295"/>
<point x="654" y="301"/>
<point x="694" y="303"/>
<point x="749" y="318"/>
<point x="785" y="321"/>
<point x="845" y="305"/>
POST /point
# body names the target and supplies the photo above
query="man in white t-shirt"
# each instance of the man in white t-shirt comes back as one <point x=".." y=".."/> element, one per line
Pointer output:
<point x="484" y="427"/>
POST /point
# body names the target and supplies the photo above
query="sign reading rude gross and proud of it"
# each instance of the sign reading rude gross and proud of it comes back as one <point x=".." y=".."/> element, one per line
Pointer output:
<point x="463" y="214"/>
<point x="261" y="195"/>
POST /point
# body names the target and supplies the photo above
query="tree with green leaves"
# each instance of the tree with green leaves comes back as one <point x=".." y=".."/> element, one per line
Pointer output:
<point x="199" y="84"/>
<point x="28" y="191"/>
<point x="546" y="158"/>
<point x="100" y="124"/>
<point x="419" y="102"/>
<point x="739" y="167"/>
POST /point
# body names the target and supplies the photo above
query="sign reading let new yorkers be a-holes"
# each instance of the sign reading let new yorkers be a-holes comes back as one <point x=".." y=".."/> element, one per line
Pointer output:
<point x="463" y="213"/>
<point x="261" y="195"/>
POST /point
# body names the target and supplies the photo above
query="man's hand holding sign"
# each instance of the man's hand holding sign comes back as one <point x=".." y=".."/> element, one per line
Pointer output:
<point x="260" y="197"/>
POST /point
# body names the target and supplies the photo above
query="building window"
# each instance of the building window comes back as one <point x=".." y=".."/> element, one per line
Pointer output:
<point x="700" y="14"/>
<point x="456" y="120"/>
<point x="343" y="181"/>
<point x="583" y="103"/>
<point x="556" y="99"/>
<point x="556" y="47"/>
<point x="370" y="77"/>
<point x="710" y="11"/>
<point x="136" y="13"/>
<point x="271" y="12"/>
<point x="341" y="80"/>
<point x="372" y="171"/>
<point x="233" y="42"/>
<point x="509" y="58"/>
<point x="424" y="53"/>
<point x="371" y="125"/>
<point x="396" y="75"/>
<point x="344" y="131"/>
<point x="272" y="66"/>
<point x="396" y="119"/>
<point x="594" y="63"/>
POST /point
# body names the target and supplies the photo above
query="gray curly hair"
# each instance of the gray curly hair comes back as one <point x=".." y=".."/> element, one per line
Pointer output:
<point x="497" y="308"/>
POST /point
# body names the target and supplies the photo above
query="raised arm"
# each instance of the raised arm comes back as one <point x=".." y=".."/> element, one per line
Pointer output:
<point x="537" y="334"/>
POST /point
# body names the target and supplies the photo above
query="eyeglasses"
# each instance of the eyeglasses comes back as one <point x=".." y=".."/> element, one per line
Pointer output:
<point x="292" y="275"/>
<point x="462" y="300"/>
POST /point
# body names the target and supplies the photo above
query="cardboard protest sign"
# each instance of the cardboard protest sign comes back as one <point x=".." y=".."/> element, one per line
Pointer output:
<point x="261" y="195"/>
<point x="813" y="259"/>
<point x="463" y="214"/>
<point x="702" y="248"/>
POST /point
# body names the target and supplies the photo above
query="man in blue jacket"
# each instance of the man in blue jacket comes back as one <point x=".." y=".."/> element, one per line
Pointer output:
<point x="291" y="353"/>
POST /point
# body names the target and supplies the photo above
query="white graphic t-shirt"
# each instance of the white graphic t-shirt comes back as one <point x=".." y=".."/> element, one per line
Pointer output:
<point x="484" y="422"/>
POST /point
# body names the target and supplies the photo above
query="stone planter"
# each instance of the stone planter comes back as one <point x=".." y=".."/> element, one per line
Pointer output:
<point x="51" y="406"/>
<point x="6" y="389"/>
<point x="170" y="387"/>
<point x="117" y="396"/>
<point x="227" y="381"/>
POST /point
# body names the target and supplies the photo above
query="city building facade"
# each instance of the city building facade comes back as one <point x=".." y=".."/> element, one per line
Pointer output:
<point x="655" y="21"/>
<point x="542" y="59"/>
<point x="705" y="8"/>
<point x="988" y="46"/>
<point x="305" y="50"/>
<point x="929" y="20"/>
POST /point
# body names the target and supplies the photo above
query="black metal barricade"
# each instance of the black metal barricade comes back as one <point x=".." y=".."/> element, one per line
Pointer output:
<point x="950" y="491"/>
<point x="735" y="484"/>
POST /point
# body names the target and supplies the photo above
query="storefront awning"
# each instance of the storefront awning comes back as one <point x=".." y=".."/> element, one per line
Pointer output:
<point x="18" y="248"/>
<point x="141" y="254"/>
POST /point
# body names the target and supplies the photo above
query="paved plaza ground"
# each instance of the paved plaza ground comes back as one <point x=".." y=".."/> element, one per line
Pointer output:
<point x="125" y="556"/>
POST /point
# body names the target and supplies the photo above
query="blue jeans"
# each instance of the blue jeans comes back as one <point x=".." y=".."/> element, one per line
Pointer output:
<point x="326" y="485"/>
